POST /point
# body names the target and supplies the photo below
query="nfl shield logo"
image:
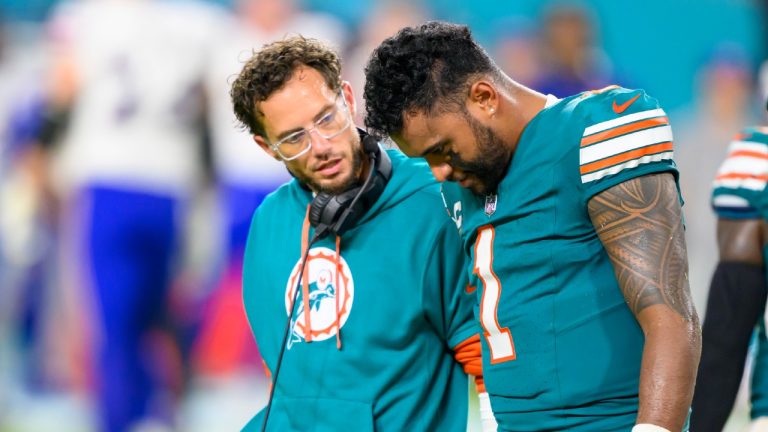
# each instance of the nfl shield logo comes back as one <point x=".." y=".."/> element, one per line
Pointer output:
<point x="490" y="204"/>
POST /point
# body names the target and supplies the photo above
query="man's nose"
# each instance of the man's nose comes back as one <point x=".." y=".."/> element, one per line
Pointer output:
<point x="441" y="170"/>
<point x="320" y="144"/>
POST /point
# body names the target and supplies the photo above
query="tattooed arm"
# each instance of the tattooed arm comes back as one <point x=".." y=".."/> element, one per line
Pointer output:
<point x="640" y="225"/>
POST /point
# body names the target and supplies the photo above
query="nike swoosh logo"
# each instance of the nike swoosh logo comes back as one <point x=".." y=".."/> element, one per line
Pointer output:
<point x="618" y="109"/>
<point x="469" y="289"/>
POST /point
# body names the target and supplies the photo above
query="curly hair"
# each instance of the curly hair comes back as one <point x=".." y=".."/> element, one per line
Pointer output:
<point x="419" y="69"/>
<point x="271" y="67"/>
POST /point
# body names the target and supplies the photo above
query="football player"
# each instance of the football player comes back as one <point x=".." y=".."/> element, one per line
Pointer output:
<point x="737" y="293"/>
<point x="570" y="214"/>
<point x="123" y="106"/>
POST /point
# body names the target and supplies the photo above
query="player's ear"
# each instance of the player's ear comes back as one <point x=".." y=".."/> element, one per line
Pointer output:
<point x="349" y="96"/>
<point x="266" y="147"/>
<point x="485" y="98"/>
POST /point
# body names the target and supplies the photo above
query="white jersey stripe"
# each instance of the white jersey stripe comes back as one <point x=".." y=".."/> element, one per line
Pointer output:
<point x="748" y="146"/>
<point x="626" y="165"/>
<point x="744" y="165"/>
<point x="624" y="143"/>
<point x="737" y="183"/>
<point x="732" y="201"/>
<point x="642" y="115"/>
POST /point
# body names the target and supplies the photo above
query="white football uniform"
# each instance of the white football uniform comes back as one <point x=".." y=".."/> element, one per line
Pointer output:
<point x="140" y="67"/>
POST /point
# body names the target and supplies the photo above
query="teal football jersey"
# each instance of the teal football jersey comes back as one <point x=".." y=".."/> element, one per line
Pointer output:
<point x="739" y="187"/>
<point x="739" y="193"/>
<point x="370" y="345"/>
<point x="561" y="349"/>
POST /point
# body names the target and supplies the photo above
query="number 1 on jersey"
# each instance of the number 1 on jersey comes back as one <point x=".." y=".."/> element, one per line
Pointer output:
<point x="499" y="339"/>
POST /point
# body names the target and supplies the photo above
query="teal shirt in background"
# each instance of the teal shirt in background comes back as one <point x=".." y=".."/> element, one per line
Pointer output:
<point x="403" y="308"/>
<point x="562" y="350"/>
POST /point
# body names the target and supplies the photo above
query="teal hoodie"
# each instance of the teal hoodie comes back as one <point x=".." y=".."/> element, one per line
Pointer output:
<point x="399" y="300"/>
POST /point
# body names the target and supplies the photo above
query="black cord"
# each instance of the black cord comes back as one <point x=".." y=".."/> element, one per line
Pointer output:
<point x="371" y="174"/>
<point x="320" y="233"/>
<point x="338" y="225"/>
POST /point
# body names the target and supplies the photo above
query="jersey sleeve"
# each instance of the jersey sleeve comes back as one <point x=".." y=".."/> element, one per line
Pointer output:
<point x="738" y="187"/>
<point x="626" y="134"/>
<point x="448" y="303"/>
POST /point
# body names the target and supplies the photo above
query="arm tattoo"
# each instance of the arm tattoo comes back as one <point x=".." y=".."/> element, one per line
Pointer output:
<point x="640" y="225"/>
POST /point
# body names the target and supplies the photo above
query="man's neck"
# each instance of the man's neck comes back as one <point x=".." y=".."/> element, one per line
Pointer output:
<point x="523" y="105"/>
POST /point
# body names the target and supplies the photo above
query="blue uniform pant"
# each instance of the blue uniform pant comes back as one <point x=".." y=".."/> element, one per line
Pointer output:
<point x="130" y="238"/>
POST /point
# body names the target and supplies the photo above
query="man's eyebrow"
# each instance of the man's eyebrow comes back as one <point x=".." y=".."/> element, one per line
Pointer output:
<point x="324" y="111"/>
<point x="434" y="147"/>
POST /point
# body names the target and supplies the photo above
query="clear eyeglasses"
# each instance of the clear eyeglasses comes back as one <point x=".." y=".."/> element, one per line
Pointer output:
<point x="330" y="125"/>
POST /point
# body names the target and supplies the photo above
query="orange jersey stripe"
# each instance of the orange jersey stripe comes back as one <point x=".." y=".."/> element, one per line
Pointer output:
<point x="624" y="157"/>
<point x="748" y="153"/>
<point x="623" y="130"/>
<point x="741" y="176"/>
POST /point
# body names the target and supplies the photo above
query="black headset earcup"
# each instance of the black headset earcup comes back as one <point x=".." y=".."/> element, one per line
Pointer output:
<point x="337" y="213"/>
<point x="317" y="208"/>
<point x="327" y="209"/>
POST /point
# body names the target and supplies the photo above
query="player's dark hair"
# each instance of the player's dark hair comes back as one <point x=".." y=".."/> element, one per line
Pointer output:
<point x="418" y="70"/>
<point x="271" y="67"/>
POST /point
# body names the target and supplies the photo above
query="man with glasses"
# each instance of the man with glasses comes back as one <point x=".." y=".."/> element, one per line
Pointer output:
<point x="370" y="327"/>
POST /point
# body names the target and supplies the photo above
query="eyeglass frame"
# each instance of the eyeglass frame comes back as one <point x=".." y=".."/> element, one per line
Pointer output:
<point x="275" y="146"/>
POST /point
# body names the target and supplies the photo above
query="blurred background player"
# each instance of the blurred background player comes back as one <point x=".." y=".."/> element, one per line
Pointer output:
<point x="571" y="60"/>
<point x="725" y="96"/>
<point x="516" y="46"/>
<point x="27" y="240"/>
<point x="124" y="109"/>
<point x="737" y="293"/>
<point x="384" y="21"/>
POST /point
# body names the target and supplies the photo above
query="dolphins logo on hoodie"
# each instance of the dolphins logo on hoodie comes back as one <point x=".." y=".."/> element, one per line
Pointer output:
<point x="329" y="299"/>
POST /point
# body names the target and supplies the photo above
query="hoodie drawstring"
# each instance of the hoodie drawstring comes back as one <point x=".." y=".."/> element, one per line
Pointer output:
<point x="338" y="291"/>
<point x="305" y="284"/>
<point x="304" y="277"/>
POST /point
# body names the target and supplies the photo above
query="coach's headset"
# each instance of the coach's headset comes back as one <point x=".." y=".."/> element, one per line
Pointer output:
<point x="335" y="214"/>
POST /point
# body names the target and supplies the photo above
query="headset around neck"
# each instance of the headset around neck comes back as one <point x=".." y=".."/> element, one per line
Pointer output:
<point x="335" y="214"/>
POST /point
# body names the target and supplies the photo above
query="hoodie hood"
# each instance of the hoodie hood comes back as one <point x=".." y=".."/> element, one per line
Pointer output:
<point x="408" y="177"/>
